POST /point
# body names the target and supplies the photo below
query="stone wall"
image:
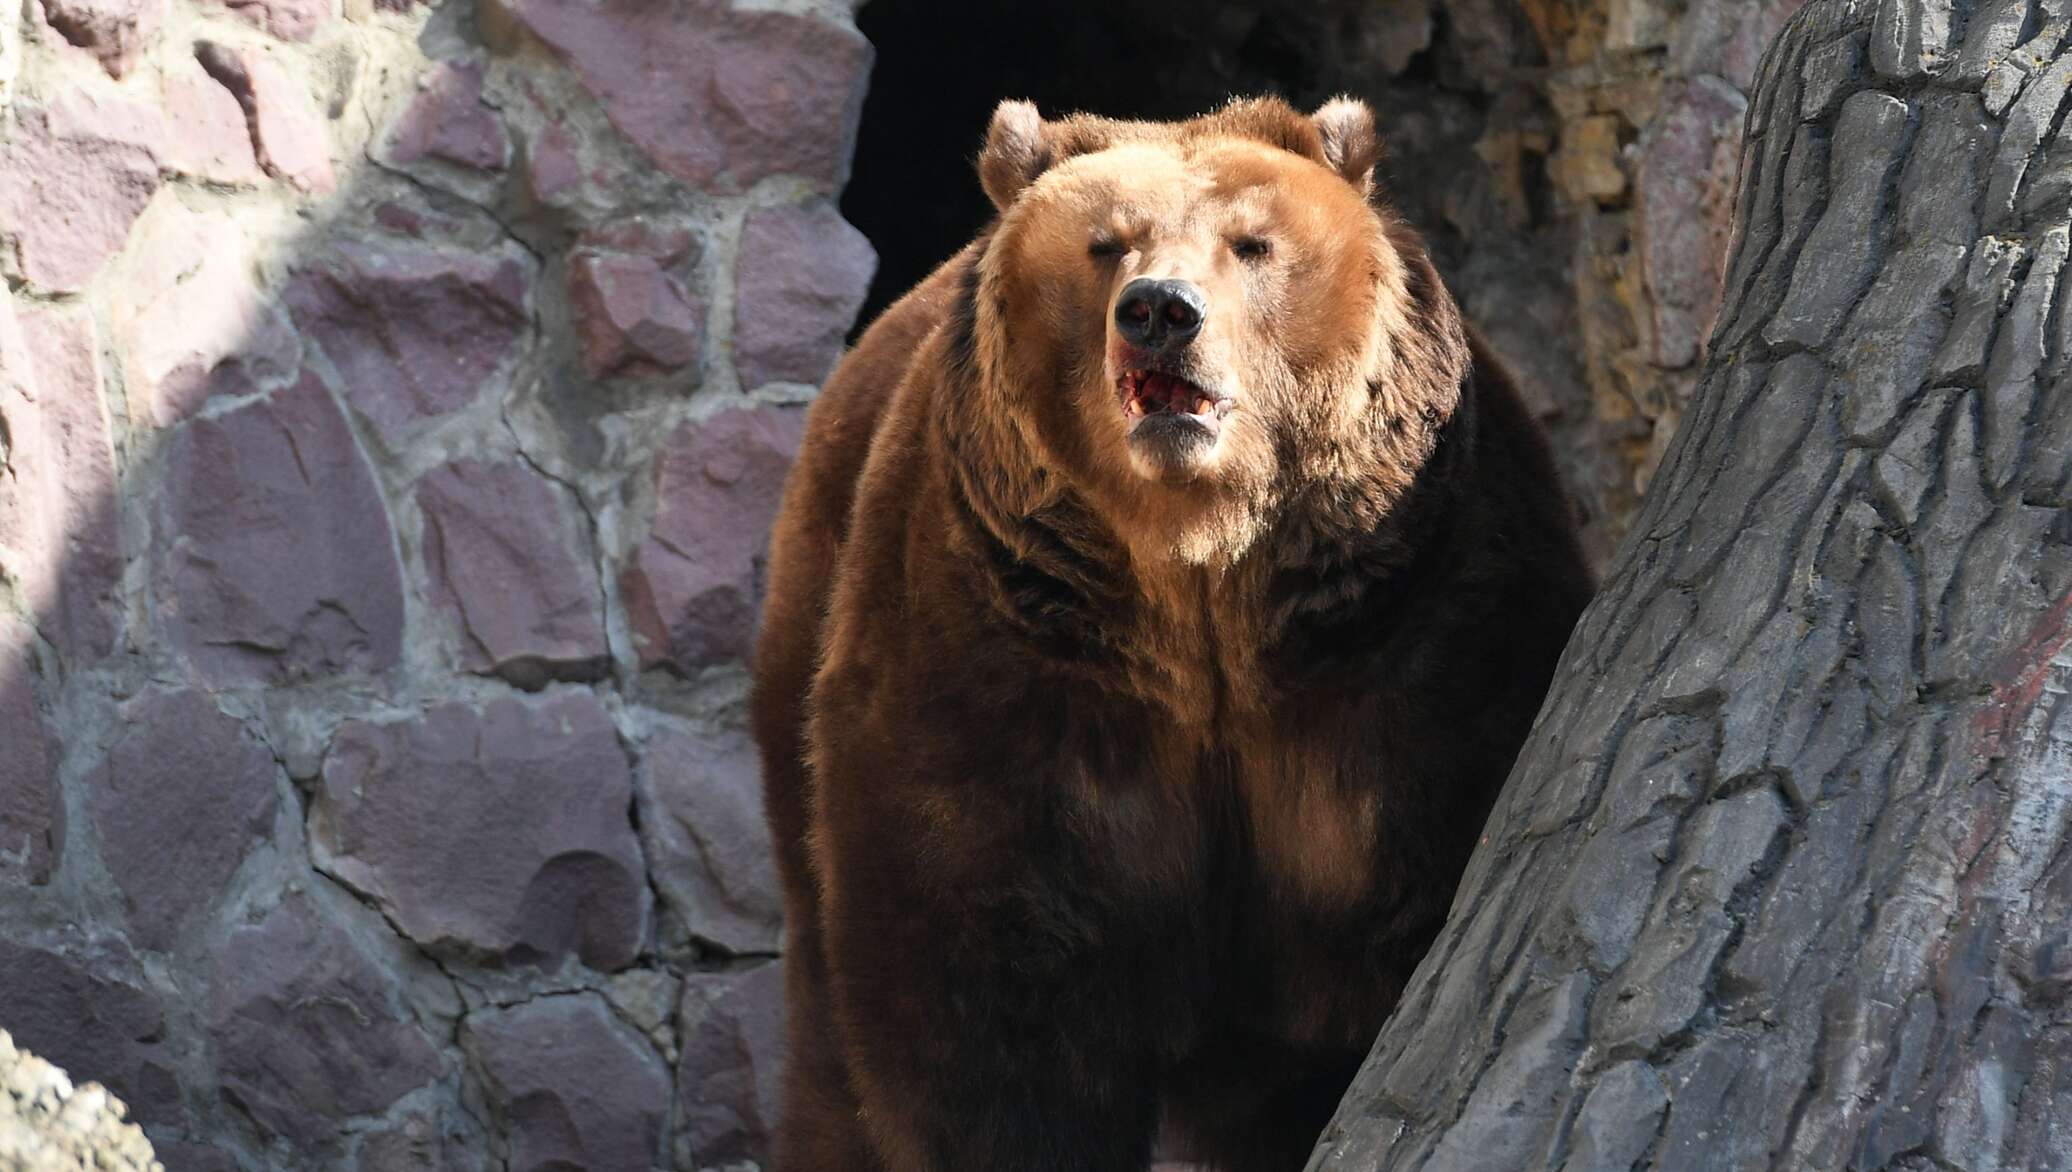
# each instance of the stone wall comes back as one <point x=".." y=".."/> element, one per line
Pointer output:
<point x="1573" y="163"/>
<point x="1649" y="101"/>
<point x="393" y="400"/>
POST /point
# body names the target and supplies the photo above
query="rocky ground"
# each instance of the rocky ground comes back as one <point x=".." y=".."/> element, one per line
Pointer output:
<point x="49" y="1125"/>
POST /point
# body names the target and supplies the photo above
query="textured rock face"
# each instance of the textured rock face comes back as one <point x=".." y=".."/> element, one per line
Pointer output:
<point x="1656" y="94"/>
<point x="275" y="560"/>
<point x="290" y="20"/>
<point x="86" y="1005"/>
<point x="190" y="322"/>
<point x="415" y="1145"/>
<point x="802" y="276"/>
<point x="701" y="816"/>
<point x="633" y="316"/>
<point x="497" y="549"/>
<point x="98" y="157"/>
<point x="31" y="810"/>
<point x="307" y="1026"/>
<point x="58" y="533"/>
<point x="693" y="586"/>
<point x="1686" y="186"/>
<point x="413" y="333"/>
<point x="371" y="418"/>
<point x="499" y="834"/>
<point x="717" y="96"/>
<point x="287" y="135"/>
<point x="177" y="803"/>
<point x="733" y="1037"/>
<point x="575" y="1086"/>
<point x="448" y="122"/>
<point x="114" y="31"/>
<point x="210" y="139"/>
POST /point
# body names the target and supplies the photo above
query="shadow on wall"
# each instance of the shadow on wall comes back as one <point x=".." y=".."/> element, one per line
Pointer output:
<point x="392" y="406"/>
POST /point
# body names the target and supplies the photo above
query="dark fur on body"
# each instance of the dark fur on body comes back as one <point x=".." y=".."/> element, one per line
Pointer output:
<point x="1083" y="831"/>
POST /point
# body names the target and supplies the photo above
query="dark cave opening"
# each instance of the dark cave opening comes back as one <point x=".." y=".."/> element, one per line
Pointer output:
<point x="942" y="65"/>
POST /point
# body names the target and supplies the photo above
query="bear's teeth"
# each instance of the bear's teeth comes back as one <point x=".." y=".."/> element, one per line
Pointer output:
<point x="1201" y="406"/>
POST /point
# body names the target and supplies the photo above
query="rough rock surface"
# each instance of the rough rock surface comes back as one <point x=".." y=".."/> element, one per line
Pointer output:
<point x="693" y="586"/>
<point x="575" y="1086"/>
<point x="31" y="809"/>
<point x="418" y="1144"/>
<point x="701" y="817"/>
<point x="501" y="554"/>
<point x="413" y="333"/>
<point x="49" y="1125"/>
<point x="114" y="31"/>
<point x="803" y="275"/>
<point x="275" y="559"/>
<point x="633" y="316"/>
<point x="290" y="20"/>
<point x="188" y="319"/>
<point x="308" y="1026"/>
<point x="177" y="803"/>
<point x="97" y="157"/>
<point x="500" y="834"/>
<point x="88" y="1005"/>
<point x="341" y="356"/>
<point x="447" y="121"/>
<point x="718" y="95"/>
<point x="59" y="536"/>
<point x="210" y="139"/>
<point x="287" y="134"/>
<point x="733" y="1033"/>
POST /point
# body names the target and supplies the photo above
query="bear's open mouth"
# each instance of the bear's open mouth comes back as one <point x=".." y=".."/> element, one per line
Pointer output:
<point x="1155" y="392"/>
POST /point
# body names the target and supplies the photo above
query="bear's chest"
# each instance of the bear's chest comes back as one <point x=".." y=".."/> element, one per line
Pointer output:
<point x="1287" y="823"/>
<point x="1263" y="872"/>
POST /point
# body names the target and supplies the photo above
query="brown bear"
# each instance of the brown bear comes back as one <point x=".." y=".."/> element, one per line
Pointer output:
<point x="1162" y="592"/>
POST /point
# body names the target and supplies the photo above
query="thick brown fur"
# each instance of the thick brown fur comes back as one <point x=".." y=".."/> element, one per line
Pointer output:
<point x="1111" y="792"/>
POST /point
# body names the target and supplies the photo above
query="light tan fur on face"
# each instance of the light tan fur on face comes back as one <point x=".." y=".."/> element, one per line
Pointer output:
<point x="1293" y="336"/>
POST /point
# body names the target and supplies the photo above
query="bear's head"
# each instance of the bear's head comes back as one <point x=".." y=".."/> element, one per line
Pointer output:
<point x="1193" y="325"/>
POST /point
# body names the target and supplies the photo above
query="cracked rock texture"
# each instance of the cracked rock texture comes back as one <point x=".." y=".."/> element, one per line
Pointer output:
<point x="1783" y="878"/>
<point x="394" y="399"/>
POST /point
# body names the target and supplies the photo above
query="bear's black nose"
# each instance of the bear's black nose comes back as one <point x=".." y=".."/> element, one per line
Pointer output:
<point x="1160" y="315"/>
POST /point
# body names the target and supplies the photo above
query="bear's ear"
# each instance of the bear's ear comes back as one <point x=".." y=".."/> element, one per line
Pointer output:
<point x="1351" y="146"/>
<point x="1017" y="150"/>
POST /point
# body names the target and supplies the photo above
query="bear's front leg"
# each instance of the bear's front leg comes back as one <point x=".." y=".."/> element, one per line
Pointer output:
<point x="992" y="1007"/>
